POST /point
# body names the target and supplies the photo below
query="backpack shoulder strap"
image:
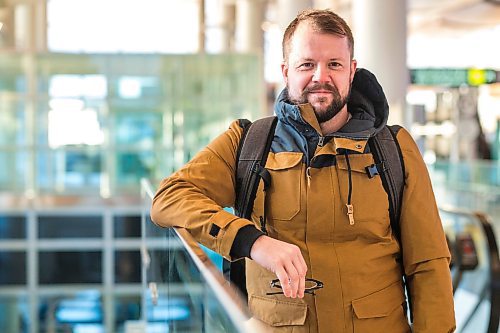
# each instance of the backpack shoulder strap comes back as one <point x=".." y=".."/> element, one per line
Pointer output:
<point x="390" y="166"/>
<point x="389" y="160"/>
<point x="251" y="158"/>
<point x="250" y="161"/>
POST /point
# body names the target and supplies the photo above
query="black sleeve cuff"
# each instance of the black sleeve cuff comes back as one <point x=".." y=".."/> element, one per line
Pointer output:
<point x="243" y="241"/>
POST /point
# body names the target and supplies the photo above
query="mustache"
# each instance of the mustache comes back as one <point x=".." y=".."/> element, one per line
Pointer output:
<point x="320" y="86"/>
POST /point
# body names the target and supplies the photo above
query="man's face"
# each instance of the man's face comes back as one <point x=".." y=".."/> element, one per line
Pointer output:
<point x="319" y="71"/>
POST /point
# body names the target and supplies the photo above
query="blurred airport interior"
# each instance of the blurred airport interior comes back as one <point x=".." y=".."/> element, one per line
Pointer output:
<point x="100" y="99"/>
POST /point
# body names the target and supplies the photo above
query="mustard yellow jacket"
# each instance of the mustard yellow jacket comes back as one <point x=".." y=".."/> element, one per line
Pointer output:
<point x="359" y="264"/>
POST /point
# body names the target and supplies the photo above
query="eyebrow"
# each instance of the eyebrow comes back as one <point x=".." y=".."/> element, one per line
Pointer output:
<point x="311" y="59"/>
<point x="305" y="59"/>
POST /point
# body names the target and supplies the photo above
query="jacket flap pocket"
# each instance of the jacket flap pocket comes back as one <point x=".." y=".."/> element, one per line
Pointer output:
<point x="284" y="160"/>
<point x="358" y="162"/>
<point x="276" y="312"/>
<point x="380" y="303"/>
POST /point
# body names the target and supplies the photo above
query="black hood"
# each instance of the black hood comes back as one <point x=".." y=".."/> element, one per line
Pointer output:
<point x="367" y="105"/>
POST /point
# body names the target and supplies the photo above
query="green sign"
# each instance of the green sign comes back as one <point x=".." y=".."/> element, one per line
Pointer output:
<point x="453" y="77"/>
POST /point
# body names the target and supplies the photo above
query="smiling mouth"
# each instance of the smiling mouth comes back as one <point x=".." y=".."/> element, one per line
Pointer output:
<point x="321" y="93"/>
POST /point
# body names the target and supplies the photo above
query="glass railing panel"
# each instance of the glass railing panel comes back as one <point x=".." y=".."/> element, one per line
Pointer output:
<point x="183" y="284"/>
<point x="476" y="172"/>
<point x="474" y="185"/>
<point x="184" y="291"/>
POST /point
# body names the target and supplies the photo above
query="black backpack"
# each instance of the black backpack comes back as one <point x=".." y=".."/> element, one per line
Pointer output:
<point x="251" y="158"/>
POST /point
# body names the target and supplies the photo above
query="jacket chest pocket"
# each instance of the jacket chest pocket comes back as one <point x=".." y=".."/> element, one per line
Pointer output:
<point x="367" y="195"/>
<point x="284" y="193"/>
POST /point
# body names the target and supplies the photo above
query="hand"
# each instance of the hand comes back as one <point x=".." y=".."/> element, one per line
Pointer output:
<point x="283" y="259"/>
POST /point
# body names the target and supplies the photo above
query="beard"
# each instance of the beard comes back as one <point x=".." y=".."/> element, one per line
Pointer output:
<point x="324" y="114"/>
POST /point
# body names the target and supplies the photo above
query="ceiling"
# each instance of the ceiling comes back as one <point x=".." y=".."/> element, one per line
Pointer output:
<point x="429" y="17"/>
<point x="452" y="17"/>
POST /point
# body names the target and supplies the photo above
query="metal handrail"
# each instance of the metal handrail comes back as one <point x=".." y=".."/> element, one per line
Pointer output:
<point x="494" y="262"/>
<point x="229" y="298"/>
<point x="494" y="272"/>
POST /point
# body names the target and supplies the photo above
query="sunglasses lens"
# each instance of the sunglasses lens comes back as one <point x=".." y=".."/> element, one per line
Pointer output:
<point x="311" y="285"/>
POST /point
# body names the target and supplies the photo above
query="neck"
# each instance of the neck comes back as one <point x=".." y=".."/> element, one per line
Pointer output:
<point x="336" y="123"/>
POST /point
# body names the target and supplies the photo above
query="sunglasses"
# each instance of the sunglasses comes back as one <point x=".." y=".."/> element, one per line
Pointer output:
<point x="311" y="286"/>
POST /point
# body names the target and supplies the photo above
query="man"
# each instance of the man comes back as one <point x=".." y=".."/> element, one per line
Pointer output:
<point x="326" y="219"/>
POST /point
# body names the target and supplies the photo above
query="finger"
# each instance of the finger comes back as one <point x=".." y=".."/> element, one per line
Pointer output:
<point x="283" y="277"/>
<point x="301" y="270"/>
<point x="302" y="286"/>
<point x="293" y="277"/>
<point x="302" y="264"/>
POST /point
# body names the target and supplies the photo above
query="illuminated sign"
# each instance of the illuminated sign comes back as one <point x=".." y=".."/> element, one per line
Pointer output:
<point x="453" y="77"/>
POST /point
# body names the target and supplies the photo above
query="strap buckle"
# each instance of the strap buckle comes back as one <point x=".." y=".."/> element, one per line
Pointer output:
<point x="375" y="169"/>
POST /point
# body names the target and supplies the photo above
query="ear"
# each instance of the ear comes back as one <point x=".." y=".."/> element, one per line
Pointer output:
<point x="354" y="65"/>
<point x="284" y="72"/>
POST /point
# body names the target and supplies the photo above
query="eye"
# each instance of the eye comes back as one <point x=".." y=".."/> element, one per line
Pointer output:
<point x="306" y="65"/>
<point x="334" y="64"/>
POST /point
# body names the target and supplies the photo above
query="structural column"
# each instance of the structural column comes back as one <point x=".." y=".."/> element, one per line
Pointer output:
<point x="327" y="4"/>
<point x="219" y="26"/>
<point x="39" y="9"/>
<point x="379" y="29"/>
<point x="6" y="26"/>
<point x="28" y="25"/>
<point x="288" y="10"/>
<point x="226" y="25"/>
<point x="250" y="14"/>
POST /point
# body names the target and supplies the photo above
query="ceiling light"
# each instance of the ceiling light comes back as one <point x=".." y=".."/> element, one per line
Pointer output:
<point x="1" y="26"/>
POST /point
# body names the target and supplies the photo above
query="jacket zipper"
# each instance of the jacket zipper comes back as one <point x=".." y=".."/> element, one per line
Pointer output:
<point x="321" y="143"/>
<point x="308" y="175"/>
<point x="350" y="207"/>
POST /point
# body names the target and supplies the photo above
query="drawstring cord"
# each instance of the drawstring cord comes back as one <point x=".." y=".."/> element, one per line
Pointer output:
<point x="350" y="208"/>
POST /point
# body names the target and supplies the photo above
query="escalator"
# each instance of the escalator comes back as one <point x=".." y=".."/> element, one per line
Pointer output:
<point x="475" y="270"/>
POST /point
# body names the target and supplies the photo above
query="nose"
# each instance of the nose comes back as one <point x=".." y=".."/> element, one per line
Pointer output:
<point x="321" y="74"/>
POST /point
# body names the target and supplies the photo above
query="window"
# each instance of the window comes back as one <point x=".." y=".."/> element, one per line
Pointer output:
<point x="143" y="26"/>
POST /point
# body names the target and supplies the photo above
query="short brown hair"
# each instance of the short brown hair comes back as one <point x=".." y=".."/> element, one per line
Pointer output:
<point x="322" y="21"/>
